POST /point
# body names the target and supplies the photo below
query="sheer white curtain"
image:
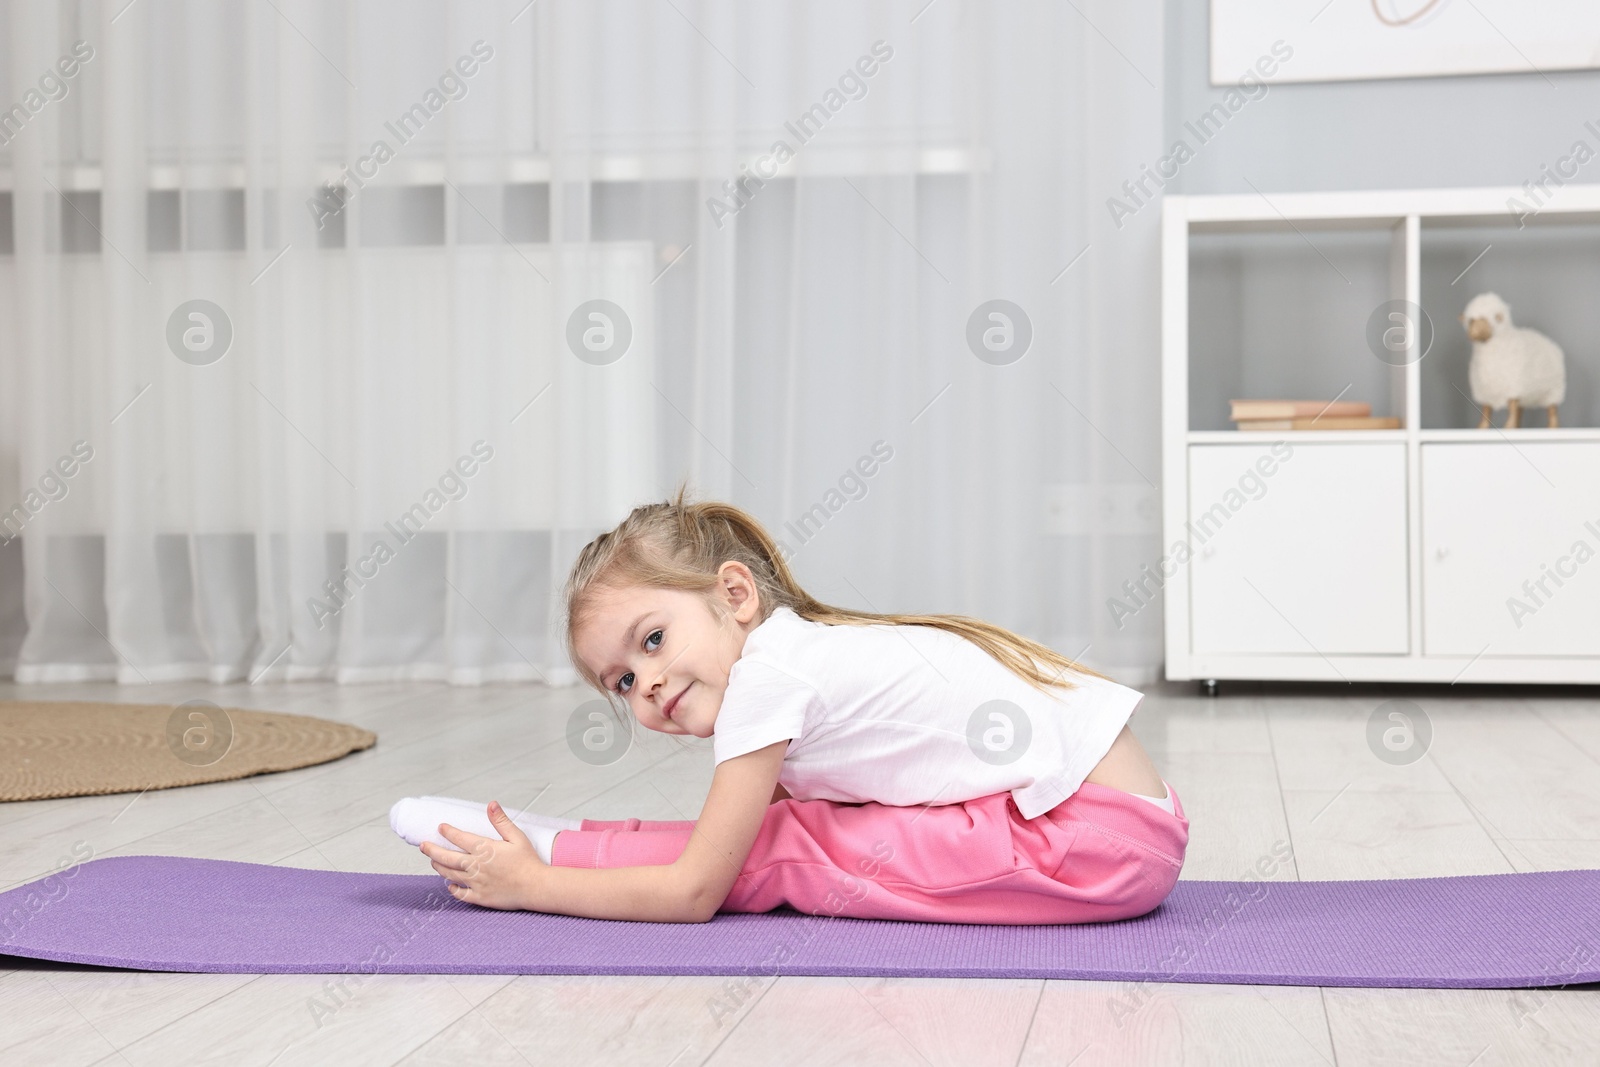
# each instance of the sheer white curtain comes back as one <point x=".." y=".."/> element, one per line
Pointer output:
<point x="304" y="377"/>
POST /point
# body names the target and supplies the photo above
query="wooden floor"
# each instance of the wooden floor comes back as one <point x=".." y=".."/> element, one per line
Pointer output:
<point x="1511" y="783"/>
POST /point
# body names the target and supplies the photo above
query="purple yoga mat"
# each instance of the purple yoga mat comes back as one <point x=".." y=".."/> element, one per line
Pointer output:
<point x="168" y="913"/>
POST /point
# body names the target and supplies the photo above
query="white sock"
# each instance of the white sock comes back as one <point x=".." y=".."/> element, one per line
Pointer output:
<point x="555" y="822"/>
<point x="417" y="819"/>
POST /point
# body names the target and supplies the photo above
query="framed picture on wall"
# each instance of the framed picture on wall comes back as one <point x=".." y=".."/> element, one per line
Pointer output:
<point x="1345" y="40"/>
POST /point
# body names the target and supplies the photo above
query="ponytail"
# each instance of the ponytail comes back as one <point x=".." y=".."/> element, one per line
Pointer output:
<point x="679" y="544"/>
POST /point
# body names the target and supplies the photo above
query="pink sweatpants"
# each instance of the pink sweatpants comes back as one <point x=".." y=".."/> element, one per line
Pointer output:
<point x="1099" y="855"/>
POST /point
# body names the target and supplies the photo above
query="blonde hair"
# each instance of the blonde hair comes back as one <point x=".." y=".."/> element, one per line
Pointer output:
<point x="678" y="544"/>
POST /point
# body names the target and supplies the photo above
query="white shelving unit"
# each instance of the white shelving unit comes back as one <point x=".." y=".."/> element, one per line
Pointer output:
<point x="1390" y="555"/>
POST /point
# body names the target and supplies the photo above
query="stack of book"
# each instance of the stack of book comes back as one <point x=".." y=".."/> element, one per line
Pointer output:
<point x="1308" y="415"/>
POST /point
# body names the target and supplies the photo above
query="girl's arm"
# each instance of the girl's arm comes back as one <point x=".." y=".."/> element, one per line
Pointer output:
<point x="692" y="888"/>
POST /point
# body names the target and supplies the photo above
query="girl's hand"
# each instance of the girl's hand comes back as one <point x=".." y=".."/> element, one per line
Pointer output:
<point x="495" y="874"/>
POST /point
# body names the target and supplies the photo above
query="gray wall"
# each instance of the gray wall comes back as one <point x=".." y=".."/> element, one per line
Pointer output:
<point x="1400" y="133"/>
<point x="1301" y="334"/>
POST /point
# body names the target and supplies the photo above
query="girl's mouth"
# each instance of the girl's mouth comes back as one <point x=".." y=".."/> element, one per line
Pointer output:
<point x="672" y="705"/>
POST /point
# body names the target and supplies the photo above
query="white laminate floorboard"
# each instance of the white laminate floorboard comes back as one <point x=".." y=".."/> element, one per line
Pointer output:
<point x="1511" y="783"/>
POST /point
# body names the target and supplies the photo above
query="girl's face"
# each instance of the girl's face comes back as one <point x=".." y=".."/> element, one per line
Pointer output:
<point x="666" y="653"/>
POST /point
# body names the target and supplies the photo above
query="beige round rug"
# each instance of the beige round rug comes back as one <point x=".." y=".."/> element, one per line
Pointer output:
<point x="61" y="749"/>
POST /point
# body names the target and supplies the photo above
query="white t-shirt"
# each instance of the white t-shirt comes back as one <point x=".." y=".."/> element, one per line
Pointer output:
<point x="910" y="715"/>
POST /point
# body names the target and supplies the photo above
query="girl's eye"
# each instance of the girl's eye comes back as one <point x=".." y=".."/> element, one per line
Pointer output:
<point x="653" y="633"/>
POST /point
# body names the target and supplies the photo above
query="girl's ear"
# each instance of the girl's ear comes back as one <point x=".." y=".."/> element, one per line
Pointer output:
<point x="737" y="587"/>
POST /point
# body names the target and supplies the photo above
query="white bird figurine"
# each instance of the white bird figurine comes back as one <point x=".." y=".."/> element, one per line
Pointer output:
<point x="1511" y="366"/>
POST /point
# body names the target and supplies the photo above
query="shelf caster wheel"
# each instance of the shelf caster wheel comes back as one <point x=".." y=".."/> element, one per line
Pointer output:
<point x="1208" y="688"/>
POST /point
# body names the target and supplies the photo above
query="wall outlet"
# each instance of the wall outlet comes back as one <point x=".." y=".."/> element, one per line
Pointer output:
<point x="1116" y="508"/>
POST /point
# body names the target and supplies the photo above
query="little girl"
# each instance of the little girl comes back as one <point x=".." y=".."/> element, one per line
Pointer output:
<point x="925" y="767"/>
